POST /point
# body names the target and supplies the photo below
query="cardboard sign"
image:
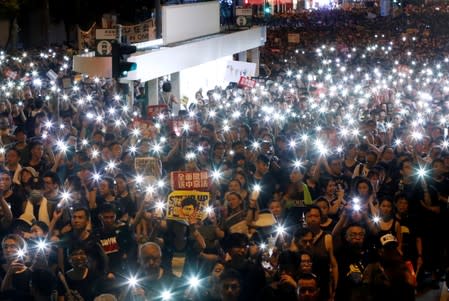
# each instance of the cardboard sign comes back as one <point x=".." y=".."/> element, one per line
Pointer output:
<point x="148" y="167"/>
<point x="247" y="82"/>
<point x="182" y="205"/>
<point x="185" y="180"/>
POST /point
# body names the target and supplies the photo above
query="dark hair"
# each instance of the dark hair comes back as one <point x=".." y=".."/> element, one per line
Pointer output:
<point x="400" y="196"/>
<point x="311" y="207"/>
<point x="53" y="176"/>
<point x="358" y="181"/>
<point x="189" y="201"/>
<point x="81" y="208"/>
<point x="321" y="199"/>
<point x="231" y="274"/>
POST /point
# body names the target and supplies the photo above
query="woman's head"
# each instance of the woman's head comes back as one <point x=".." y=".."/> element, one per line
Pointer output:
<point x="234" y="185"/>
<point x="305" y="262"/>
<point x="329" y="186"/>
<point x="363" y="188"/>
<point x="121" y="183"/>
<point x="324" y="206"/>
<point x="234" y="200"/>
<point x="386" y="207"/>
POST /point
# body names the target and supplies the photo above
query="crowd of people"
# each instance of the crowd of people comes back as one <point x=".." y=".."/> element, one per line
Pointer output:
<point x="327" y="181"/>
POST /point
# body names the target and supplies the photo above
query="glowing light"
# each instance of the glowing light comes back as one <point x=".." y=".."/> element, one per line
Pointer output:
<point x="356" y="207"/>
<point x="160" y="205"/>
<point x="194" y="282"/>
<point x="216" y="175"/>
<point x="166" y="295"/>
<point x="257" y="188"/>
<point x="422" y="172"/>
<point x="208" y="209"/>
<point x="42" y="245"/>
<point x="376" y="219"/>
<point x="132" y="281"/>
<point x="280" y="230"/>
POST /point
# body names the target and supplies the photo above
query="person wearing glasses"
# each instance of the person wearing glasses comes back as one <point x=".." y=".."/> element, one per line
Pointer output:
<point x="308" y="289"/>
<point x="353" y="258"/>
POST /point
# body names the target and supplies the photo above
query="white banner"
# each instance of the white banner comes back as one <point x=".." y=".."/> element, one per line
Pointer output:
<point x="142" y="32"/>
<point x="237" y="69"/>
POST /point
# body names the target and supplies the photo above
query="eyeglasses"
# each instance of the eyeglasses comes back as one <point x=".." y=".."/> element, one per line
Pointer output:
<point x="353" y="235"/>
<point x="307" y="290"/>
<point x="231" y="286"/>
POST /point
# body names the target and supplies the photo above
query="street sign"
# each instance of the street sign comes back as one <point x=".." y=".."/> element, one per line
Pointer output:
<point x="244" y="17"/>
<point x="103" y="41"/>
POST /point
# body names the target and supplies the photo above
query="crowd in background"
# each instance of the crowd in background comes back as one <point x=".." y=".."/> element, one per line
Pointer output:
<point x="328" y="179"/>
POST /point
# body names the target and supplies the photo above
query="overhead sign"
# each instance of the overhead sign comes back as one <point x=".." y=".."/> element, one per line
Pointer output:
<point x="244" y="17"/>
<point x="103" y="41"/>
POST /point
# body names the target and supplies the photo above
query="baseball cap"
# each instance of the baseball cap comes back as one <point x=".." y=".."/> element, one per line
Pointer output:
<point x="388" y="241"/>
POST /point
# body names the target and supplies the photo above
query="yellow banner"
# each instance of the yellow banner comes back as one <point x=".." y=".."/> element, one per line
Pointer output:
<point x="181" y="205"/>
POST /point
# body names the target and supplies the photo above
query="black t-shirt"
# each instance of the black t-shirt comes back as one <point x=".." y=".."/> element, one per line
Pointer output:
<point x="20" y="286"/>
<point x="351" y="266"/>
<point x="117" y="244"/>
<point x="88" y="288"/>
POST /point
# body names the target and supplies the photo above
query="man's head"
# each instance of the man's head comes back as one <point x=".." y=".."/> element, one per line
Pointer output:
<point x="5" y="180"/>
<point x="262" y="164"/>
<point x="230" y="283"/>
<point x="80" y="218"/>
<point x="78" y="258"/>
<point x="313" y="217"/>
<point x="51" y="182"/>
<point x="150" y="259"/>
<point x="108" y="215"/>
<point x="12" y="157"/>
<point x="355" y="235"/>
<point x="189" y="205"/>
<point x="308" y="289"/>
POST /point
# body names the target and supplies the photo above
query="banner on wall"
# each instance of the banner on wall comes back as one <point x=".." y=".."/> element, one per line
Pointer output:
<point x="236" y="69"/>
<point x="142" y="32"/>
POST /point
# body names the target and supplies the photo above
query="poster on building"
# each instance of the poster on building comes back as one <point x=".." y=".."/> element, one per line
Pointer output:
<point x="142" y="32"/>
<point x="184" y="205"/>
